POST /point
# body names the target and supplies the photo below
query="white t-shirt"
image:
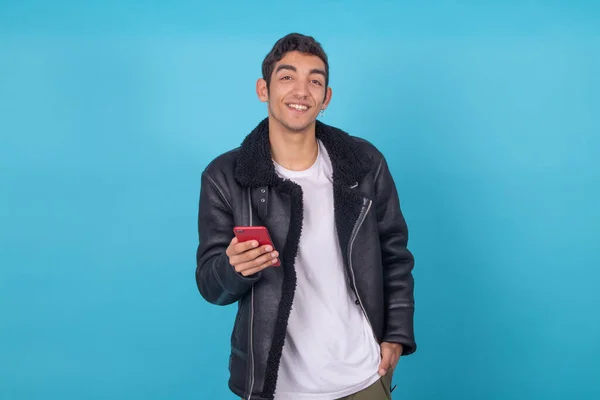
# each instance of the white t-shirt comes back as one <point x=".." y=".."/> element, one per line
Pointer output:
<point x="330" y="351"/>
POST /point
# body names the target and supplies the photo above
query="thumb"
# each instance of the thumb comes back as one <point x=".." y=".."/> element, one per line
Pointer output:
<point x="386" y="362"/>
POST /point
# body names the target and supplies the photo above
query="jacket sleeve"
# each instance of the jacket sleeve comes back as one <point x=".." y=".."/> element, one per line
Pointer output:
<point x="398" y="263"/>
<point x="217" y="280"/>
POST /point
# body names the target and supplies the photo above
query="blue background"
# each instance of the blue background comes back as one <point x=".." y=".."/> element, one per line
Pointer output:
<point x="487" y="111"/>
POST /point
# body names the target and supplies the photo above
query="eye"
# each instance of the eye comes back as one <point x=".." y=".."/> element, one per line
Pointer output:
<point x="316" y="82"/>
<point x="287" y="77"/>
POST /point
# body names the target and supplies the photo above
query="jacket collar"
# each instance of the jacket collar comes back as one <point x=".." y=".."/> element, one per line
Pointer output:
<point x="255" y="167"/>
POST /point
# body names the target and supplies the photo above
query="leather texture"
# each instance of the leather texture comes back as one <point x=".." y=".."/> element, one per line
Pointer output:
<point x="241" y="188"/>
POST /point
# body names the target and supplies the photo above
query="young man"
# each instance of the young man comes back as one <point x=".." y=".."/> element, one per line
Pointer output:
<point x="333" y="319"/>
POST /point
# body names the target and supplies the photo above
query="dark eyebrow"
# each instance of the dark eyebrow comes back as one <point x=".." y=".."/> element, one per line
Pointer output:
<point x="318" y="71"/>
<point x="292" y="68"/>
<point x="285" y="66"/>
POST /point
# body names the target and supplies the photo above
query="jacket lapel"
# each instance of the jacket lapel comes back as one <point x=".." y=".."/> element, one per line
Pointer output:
<point x="254" y="167"/>
<point x="255" y="170"/>
<point x="350" y="164"/>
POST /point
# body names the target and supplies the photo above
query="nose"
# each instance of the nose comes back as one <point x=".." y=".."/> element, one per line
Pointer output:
<point x="300" y="89"/>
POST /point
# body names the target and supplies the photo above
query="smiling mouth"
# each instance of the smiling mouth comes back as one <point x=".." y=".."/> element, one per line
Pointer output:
<point x="298" y="107"/>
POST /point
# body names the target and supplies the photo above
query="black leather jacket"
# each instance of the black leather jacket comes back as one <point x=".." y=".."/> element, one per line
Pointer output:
<point x="241" y="188"/>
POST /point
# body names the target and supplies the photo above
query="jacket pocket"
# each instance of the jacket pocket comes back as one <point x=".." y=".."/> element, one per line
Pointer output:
<point x="238" y="367"/>
<point x="238" y="327"/>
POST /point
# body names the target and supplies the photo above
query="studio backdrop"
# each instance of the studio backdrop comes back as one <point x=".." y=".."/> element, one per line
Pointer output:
<point x="109" y="111"/>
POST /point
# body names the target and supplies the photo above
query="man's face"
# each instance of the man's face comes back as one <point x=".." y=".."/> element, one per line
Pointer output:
<point x="297" y="91"/>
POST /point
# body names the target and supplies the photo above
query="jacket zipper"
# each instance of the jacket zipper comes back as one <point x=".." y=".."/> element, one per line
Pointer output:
<point x="251" y="344"/>
<point x="359" y="222"/>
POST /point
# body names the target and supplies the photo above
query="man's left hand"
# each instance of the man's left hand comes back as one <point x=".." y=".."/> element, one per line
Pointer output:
<point x="390" y="354"/>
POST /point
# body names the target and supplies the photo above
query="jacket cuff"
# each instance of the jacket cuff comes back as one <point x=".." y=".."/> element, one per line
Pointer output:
<point x="400" y="330"/>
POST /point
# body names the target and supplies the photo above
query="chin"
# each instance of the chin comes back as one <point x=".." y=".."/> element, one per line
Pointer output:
<point x="296" y="126"/>
<point x="293" y="125"/>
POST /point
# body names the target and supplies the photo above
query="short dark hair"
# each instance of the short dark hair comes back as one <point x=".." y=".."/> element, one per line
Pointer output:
<point x="293" y="42"/>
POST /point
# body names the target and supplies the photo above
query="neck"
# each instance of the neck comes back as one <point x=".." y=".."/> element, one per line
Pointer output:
<point x="296" y="151"/>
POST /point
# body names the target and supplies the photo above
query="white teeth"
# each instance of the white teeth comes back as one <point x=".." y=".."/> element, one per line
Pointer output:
<point x="298" y="107"/>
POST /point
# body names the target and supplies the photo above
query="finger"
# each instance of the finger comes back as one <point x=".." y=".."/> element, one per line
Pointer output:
<point x="268" y="259"/>
<point x="239" y="249"/>
<point x="243" y="247"/>
<point x="251" y="271"/>
<point x="386" y="361"/>
<point x="250" y="255"/>
<point x="229" y="250"/>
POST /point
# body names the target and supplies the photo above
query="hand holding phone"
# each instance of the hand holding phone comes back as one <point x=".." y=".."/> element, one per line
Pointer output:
<point x="251" y="250"/>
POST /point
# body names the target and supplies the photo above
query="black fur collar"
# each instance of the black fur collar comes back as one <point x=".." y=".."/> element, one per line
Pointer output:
<point x="254" y="166"/>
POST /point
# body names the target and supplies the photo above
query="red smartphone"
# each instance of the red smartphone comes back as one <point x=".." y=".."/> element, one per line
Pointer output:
<point x="258" y="233"/>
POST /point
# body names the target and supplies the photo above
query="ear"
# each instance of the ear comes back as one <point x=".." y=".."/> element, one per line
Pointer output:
<point x="261" y="90"/>
<point x="328" y="94"/>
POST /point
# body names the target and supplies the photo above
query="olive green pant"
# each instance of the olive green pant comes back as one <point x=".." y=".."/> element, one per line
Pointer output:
<point x="380" y="390"/>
